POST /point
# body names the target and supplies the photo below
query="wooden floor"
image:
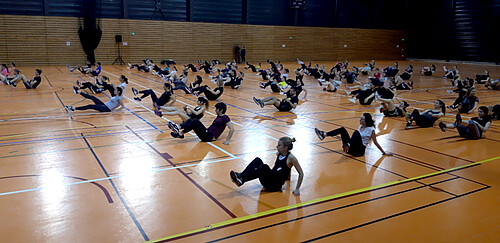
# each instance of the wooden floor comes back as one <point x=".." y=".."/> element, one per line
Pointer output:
<point x="121" y="177"/>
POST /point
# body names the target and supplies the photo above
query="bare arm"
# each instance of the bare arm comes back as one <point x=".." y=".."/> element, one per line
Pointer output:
<point x="231" y="131"/>
<point x="374" y="138"/>
<point x="296" y="164"/>
<point x="485" y="128"/>
<point x="473" y="108"/>
<point x="171" y="101"/>
<point x="121" y="105"/>
<point x="213" y="92"/>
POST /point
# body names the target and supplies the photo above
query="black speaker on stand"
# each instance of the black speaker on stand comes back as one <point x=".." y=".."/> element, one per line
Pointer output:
<point x="119" y="40"/>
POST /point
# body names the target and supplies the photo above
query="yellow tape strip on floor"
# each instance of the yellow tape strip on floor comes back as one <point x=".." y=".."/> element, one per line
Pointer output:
<point x="318" y="200"/>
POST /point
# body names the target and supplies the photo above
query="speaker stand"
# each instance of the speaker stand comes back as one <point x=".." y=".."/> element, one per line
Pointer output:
<point x="119" y="58"/>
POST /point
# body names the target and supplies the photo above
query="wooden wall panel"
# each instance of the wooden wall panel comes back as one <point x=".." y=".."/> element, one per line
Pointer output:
<point x="66" y="29"/>
<point x="31" y="40"/>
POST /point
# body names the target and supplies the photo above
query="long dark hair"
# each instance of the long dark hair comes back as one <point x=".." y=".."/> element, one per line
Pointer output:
<point x="369" y="120"/>
<point x="204" y="102"/>
<point x="443" y="107"/>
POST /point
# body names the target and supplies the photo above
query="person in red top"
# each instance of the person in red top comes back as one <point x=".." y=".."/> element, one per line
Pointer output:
<point x="206" y="135"/>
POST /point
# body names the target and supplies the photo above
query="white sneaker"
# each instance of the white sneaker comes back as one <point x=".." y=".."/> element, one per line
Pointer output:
<point x="353" y="100"/>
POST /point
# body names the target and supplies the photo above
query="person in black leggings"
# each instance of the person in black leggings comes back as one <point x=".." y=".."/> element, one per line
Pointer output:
<point x="428" y="117"/>
<point x="356" y="144"/>
<point x="112" y="104"/>
<point x="286" y="104"/>
<point x="472" y="129"/>
<point x="272" y="179"/>
<point x="209" y="134"/>
<point x="33" y="83"/>
<point x="166" y="99"/>
<point x="211" y="94"/>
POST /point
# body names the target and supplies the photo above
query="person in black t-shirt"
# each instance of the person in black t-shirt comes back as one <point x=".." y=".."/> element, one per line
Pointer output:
<point x="167" y="98"/>
<point x="472" y="129"/>
<point x="33" y="83"/>
<point x="286" y="104"/>
<point x="211" y="94"/>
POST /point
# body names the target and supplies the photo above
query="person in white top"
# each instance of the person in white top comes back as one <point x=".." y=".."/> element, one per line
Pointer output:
<point x="356" y="145"/>
<point x="98" y="105"/>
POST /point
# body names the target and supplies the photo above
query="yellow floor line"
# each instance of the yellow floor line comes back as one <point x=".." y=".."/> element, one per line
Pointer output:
<point x="318" y="200"/>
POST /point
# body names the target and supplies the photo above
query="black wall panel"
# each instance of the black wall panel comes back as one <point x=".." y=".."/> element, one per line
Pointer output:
<point x="28" y="7"/>
<point x="221" y="11"/>
<point x="172" y="10"/>
<point x="447" y="29"/>
<point x="318" y="13"/>
<point x="266" y="12"/>
<point x="66" y="8"/>
<point x="111" y="9"/>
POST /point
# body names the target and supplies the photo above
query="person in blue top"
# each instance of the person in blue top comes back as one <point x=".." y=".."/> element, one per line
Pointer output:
<point x="97" y="70"/>
<point x="272" y="179"/>
<point x="428" y="117"/>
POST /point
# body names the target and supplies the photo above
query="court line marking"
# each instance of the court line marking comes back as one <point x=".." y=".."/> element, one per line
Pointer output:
<point x="128" y="173"/>
<point x="125" y="204"/>
<point x="315" y="201"/>
<point x="210" y="143"/>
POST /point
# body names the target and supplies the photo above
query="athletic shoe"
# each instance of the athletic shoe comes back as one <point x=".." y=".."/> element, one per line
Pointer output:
<point x="70" y="110"/>
<point x="236" y="178"/>
<point x="176" y="135"/>
<point x="256" y="101"/>
<point x="345" y="147"/>
<point x="261" y="103"/>
<point x="135" y="91"/>
<point x="347" y="93"/>
<point x="319" y="133"/>
<point x="263" y="85"/>
<point x="442" y="126"/>
<point x="458" y="119"/>
<point x="158" y="113"/>
<point x="75" y="89"/>
<point x="78" y="83"/>
<point x="353" y="100"/>
<point x="173" y="126"/>
<point x="137" y="98"/>
<point x="157" y="107"/>
<point x="408" y="126"/>
<point x="320" y="84"/>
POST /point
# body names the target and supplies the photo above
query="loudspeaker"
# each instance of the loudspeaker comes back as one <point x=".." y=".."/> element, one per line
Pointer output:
<point x="118" y="38"/>
<point x="298" y="4"/>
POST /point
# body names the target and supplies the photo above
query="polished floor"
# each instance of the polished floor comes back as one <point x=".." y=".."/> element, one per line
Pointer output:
<point x="121" y="177"/>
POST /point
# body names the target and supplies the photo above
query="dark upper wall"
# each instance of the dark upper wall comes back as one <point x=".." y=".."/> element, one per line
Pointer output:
<point x="449" y="29"/>
<point x="369" y="14"/>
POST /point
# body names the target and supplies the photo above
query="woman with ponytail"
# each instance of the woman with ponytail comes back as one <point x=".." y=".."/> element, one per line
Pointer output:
<point x="355" y="145"/>
<point x="272" y="179"/>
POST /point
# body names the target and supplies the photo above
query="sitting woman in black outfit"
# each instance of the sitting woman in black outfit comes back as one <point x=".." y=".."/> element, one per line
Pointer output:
<point x="428" y="117"/>
<point x="196" y="113"/>
<point x="272" y="179"/>
<point x="167" y="98"/>
<point x="211" y="94"/>
<point x="286" y="104"/>
<point x="472" y="129"/>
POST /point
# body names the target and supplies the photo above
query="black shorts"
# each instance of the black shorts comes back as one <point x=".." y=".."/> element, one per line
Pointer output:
<point x="284" y="106"/>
